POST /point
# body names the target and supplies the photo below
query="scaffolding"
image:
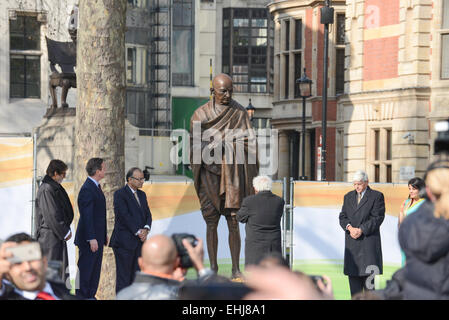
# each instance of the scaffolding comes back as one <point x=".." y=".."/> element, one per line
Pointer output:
<point x="160" y="82"/>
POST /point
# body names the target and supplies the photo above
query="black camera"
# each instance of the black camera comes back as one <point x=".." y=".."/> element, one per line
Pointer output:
<point x="214" y="291"/>
<point x="441" y="144"/>
<point x="186" y="262"/>
<point x="146" y="172"/>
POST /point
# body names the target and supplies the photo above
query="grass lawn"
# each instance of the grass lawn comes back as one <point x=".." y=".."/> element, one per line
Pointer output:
<point x="331" y="269"/>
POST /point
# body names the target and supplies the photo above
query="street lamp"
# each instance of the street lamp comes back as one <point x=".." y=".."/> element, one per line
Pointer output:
<point x="305" y="91"/>
<point x="327" y="17"/>
<point x="250" y="109"/>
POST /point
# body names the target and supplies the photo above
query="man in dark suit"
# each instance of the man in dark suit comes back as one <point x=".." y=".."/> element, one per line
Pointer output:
<point x="26" y="279"/>
<point x="131" y="228"/>
<point x="361" y="216"/>
<point x="262" y="214"/>
<point x="91" y="234"/>
<point x="54" y="214"/>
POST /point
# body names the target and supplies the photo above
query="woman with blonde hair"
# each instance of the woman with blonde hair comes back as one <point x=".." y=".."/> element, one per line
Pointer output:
<point x="424" y="237"/>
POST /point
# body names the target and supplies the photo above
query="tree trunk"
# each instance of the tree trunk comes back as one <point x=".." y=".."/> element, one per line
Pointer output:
<point x="100" y="126"/>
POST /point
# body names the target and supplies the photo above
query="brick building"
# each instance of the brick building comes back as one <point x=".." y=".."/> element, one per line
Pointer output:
<point x="387" y="85"/>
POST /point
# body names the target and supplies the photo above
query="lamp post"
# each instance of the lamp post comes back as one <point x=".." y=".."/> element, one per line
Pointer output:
<point x="327" y="17"/>
<point x="305" y="91"/>
<point x="250" y="109"/>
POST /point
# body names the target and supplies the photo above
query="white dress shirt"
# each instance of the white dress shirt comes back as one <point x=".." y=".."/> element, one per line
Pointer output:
<point x="146" y="226"/>
<point x="363" y="193"/>
<point x="30" y="295"/>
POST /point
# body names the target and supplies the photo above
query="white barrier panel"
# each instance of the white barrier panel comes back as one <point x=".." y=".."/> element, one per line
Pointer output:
<point x="16" y="175"/>
<point x="15" y="210"/>
<point x="318" y="236"/>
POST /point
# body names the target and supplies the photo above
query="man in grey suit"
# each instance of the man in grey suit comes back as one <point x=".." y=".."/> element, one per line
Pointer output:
<point x="361" y="216"/>
<point x="262" y="214"/>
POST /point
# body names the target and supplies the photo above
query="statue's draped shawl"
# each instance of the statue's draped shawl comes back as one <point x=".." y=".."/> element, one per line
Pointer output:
<point x="234" y="126"/>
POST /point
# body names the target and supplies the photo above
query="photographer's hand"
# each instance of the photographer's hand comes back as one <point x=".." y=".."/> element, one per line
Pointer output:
<point x="5" y="265"/>
<point x="326" y="288"/>
<point x="196" y="254"/>
<point x="279" y="283"/>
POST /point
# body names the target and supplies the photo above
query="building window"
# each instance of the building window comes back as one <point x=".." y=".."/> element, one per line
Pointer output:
<point x="183" y="31"/>
<point x="25" y="55"/>
<point x="445" y="41"/>
<point x="291" y="54"/>
<point x="271" y="57"/>
<point x="382" y="154"/>
<point x="298" y="72"/>
<point x="286" y="75"/>
<point x="136" y="65"/>
<point x="298" y="34"/>
<point x="261" y="123"/>
<point x="389" y="144"/>
<point x="247" y="47"/>
<point x="138" y="3"/>
<point x="340" y="55"/>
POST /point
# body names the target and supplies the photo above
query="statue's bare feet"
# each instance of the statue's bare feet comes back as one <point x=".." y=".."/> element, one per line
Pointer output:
<point x="214" y="268"/>
<point x="236" y="275"/>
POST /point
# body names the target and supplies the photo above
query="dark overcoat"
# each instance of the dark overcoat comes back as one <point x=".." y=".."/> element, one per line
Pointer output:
<point x="425" y="241"/>
<point x="262" y="214"/>
<point x="54" y="214"/>
<point x="362" y="255"/>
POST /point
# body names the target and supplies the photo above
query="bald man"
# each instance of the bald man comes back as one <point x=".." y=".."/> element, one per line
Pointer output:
<point x="222" y="183"/>
<point x="161" y="274"/>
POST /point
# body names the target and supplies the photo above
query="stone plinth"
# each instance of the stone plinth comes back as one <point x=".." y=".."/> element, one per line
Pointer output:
<point x="56" y="139"/>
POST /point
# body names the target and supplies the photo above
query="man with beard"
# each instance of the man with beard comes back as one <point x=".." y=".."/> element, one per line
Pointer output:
<point x="54" y="214"/>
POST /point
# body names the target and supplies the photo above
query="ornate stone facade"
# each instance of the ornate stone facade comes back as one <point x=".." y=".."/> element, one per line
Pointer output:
<point x="395" y="86"/>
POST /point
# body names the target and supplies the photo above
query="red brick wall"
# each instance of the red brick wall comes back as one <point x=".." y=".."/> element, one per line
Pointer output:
<point x="317" y="110"/>
<point x="379" y="13"/>
<point x="317" y="105"/>
<point x="380" y="59"/>
<point x="308" y="41"/>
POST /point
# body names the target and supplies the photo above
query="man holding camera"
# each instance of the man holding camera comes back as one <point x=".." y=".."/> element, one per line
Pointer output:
<point x="162" y="272"/>
<point x="23" y="272"/>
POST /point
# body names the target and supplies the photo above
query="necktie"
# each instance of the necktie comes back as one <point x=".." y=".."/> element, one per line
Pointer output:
<point x="137" y="198"/>
<point x="44" y="296"/>
<point x="101" y="190"/>
<point x="359" y="197"/>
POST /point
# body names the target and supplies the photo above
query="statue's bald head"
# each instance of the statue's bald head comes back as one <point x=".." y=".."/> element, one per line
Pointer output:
<point x="222" y="88"/>
<point x="159" y="254"/>
<point x="221" y="78"/>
